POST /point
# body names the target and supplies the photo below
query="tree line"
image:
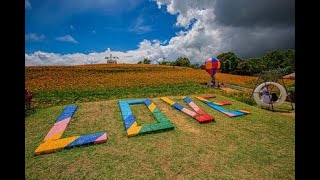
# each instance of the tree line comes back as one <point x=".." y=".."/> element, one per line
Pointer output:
<point x="283" y="60"/>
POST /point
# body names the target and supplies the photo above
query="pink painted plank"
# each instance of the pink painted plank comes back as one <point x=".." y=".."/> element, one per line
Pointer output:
<point x="187" y="111"/>
<point x="194" y="106"/>
<point x="200" y="111"/>
<point x="101" y="139"/>
<point x="65" y="121"/>
<point x="229" y="114"/>
<point x="56" y="129"/>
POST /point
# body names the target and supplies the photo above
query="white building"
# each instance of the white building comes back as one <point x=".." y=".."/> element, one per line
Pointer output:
<point x="111" y="59"/>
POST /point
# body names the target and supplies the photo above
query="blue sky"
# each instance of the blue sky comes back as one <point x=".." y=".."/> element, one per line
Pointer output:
<point x="73" y="32"/>
<point x="119" y="26"/>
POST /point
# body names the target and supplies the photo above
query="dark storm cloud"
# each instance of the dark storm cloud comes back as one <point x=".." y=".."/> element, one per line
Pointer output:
<point x="254" y="42"/>
<point x="255" y="12"/>
<point x="256" y="26"/>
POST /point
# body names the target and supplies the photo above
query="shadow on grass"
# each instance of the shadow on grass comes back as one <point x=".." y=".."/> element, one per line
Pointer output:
<point x="28" y="112"/>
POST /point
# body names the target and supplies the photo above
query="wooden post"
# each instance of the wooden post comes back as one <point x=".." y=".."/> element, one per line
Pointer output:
<point x="213" y="81"/>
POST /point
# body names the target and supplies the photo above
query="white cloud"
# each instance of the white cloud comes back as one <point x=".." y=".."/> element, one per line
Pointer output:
<point x="67" y="38"/>
<point x="159" y="42"/>
<point x="34" y="37"/>
<point x="146" y="49"/>
<point x="139" y="27"/>
<point x="27" y="4"/>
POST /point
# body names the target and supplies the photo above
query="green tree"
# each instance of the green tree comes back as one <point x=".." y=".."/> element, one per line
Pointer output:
<point x="290" y="59"/>
<point x="256" y="66"/>
<point x="229" y="62"/>
<point x="182" y="61"/>
<point x="195" y="66"/>
<point x="244" y="68"/>
<point x="283" y="60"/>
<point x="146" y="61"/>
<point x="173" y="63"/>
<point x="167" y="63"/>
<point x="234" y="61"/>
<point x="280" y="59"/>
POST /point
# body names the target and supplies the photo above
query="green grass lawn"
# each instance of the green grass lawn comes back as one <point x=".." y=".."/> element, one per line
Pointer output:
<point x="47" y="98"/>
<point x="255" y="146"/>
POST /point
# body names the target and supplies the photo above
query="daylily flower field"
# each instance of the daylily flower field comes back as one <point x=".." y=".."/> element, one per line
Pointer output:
<point x="122" y="75"/>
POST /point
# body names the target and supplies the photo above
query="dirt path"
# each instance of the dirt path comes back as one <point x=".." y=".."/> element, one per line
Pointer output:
<point x="229" y="90"/>
<point x="290" y="114"/>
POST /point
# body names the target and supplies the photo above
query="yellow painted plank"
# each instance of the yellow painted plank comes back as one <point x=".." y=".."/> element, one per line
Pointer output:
<point x="245" y="111"/>
<point x="134" y="129"/>
<point x="50" y="146"/>
<point x="54" y="137"/>
<point x="152" y="106"/>
<point x="167" y="100"/>
<point x="202" y="99"/>
<point x="43" y="149"/>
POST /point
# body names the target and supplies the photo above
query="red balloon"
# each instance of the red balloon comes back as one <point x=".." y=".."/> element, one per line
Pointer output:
<point x="212" y="65"/>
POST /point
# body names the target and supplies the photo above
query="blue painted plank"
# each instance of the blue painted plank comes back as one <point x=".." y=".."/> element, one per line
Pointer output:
<point x="126" y="115"/>
<point x="216" y="107"/>
<point x="147" y="102"/>
<point x="178" y="106"/>
<point x="129" y="121"/>
<point x="67" y="112"/>
<point x="187" y="100"/>
<point x="135" y="101"/>
<point x="121" y="103"/>
<point x="125" y="110"/>
<point x="124" y="106"/>
<point x="63" y="116"/>
<point x="70" y="108"/>
<point x="85" y="139"/>
<point x="238" y="113"/>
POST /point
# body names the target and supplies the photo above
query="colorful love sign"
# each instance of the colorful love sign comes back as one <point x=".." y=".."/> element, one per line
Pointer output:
<point x="53" y="141"/>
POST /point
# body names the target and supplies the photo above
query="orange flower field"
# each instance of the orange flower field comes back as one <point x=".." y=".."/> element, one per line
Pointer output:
<point x="121" y="75"/>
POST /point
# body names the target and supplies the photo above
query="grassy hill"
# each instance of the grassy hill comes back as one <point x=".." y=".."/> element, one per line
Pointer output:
<point x="260" y="145"/>
<point x="255" y="146"/>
